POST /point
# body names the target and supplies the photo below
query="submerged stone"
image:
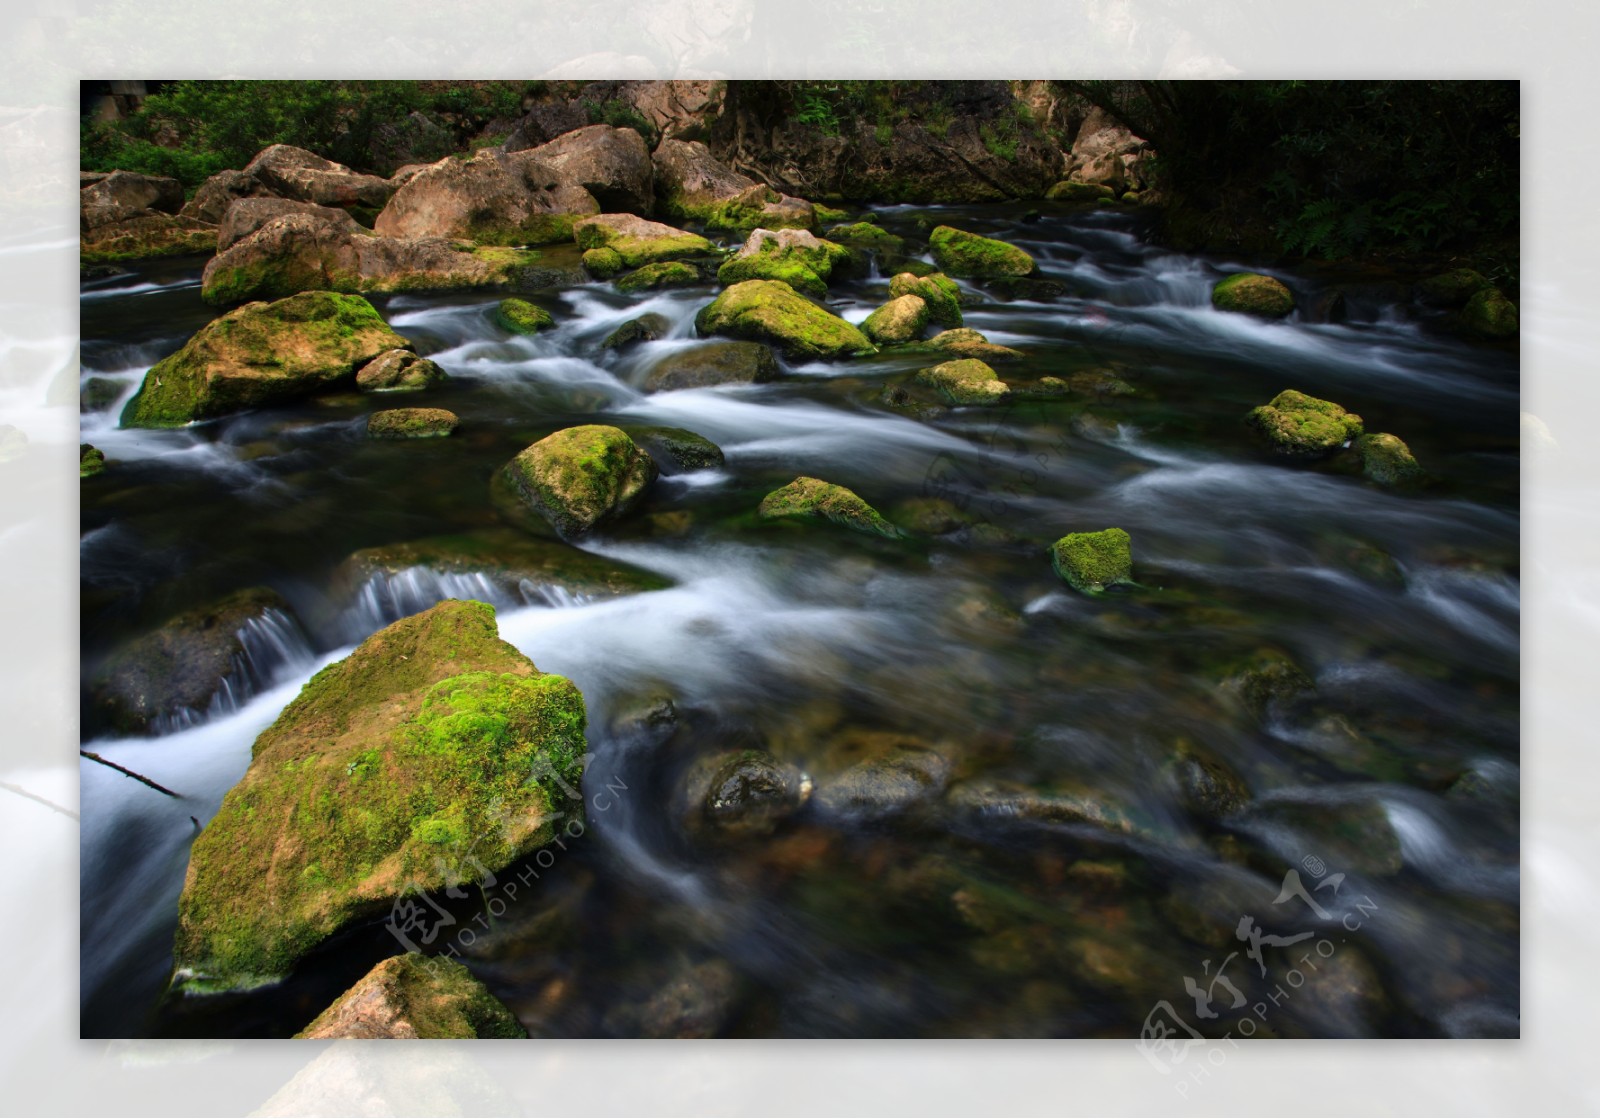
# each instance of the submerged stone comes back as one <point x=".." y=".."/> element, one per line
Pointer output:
<point x="741" y="794"/>
<point x="1092" y="561"/>
<point x="412" y="423"/>
<point x="646" y="328"/>
<point x="965" y="381"/>
<point x="521" y="317"/>
<point x="675" y="449"/>
<point x="1267" y="684"/>
<point x="399" y="371"/>
<point x="772" y="311"/>
<point x="882" y="787"/>
<point x="1207" y="786"/>
<point x="1303" y="426"/>
<point x="1453" y="288"/>
<point x="814" y="499"/>
<point x="1253" y="294"/>
<point x="581" y="476"/>
<point x="415" y="996"/>
<point x="1387" y="460"/>
<point x="979" y="258"/>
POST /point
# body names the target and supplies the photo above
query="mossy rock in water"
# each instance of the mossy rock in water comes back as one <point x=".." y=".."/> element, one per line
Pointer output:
<point x="758" y="207"/>
<point x="1303" y="426"/>
<point x="937" y="290"/>
<point x="1068" y="191"/>
<point x="412" y="423"/>
<point x="521" y="317"/>
<point x="713" y="363"/>
<point x="91" y="460"/>
<point x="1452" y="288"/>
<point x="1267" y="684"/>
<point x="900" y="320"/>
<point x="814" y="499"/>
<point x="369" y="790"/>
<point x="1092" y="561"/>
<point x="99" y="393"/>
<point x="262" y="353"/>
<point x="965" y="381"/>
<point x="675" y="449"/>
<point x="965" y="342"/>
<point x="772" y="311"/>
<point x="1387" y="460"/>
<point x="1253" y="294"/>
<point x="399" y="371"/>
<point x="797" y="257"/>
<point x="977" y="258"/>
<point x="581" y="476"/>
<point x="667" y="274"/>
<point x="1489" y="314"/>
<point x="415" y="996"/>
<point x="646" y="328"/>
<point x="638" y="241"/>
<point x="1101" y="383"/>
<point x="865" y="235"/>
<point x="603" y="263"/>
<point x="1207" y="786"/>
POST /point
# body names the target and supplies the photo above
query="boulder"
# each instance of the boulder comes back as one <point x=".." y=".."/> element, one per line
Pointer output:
<point x="741" y="794"/>
<point x="1010" y="803"/>
<point x="399" y="371"/>
<point x="291" y="172"/>
<point x="646" y="328"/>
<point x="213" y="197"/>
<point x="91" y="460"/>
<point x="690" y="184"/>
<point x="127" y="216"/>
<point x="1253" y="294"/>
<point x="612" y="164"/>
<point x="761" y="206"/>
<point x="544" y="122"/>
<point x="637" y="241"/>
<point x="580" y="477"/>
<point x="1452" y="288"/>
<point x="885" y="786"/>
<point x="772" y="311"/>
<point x="246" y="215"/>
<point x="1068" y="191"/>
<point x="1092" y="561"/>
<point x="415" y="996"/>
<point x="900" y="320"/>
<point x="1354" y="835"/>
<point x="494" y="198"/>
<point x="412" y="423"/>
<point x="964" y="381"/>
<point x="603" y="263"/>
<point x="813" y="499"/>
<point x="1207" y="786"/>
<point x="389" y="771"/>
<point x="960" y="253"/>
<point x="676" y="451"/>
<point x="795" y="256"/>
<point x="1489" y="314"/>
<point x="1266" y="684"/>
<point x="1387" y="460"/>
<point x="666" y="274"/>
<point x="1106" y="153"/>
<point x="964" y="342"/>
<point x="122" y="195"/>
<point x="714" y="363"/>
<point x="1302" y="426"/>
<point x="521" y="317"/>
<point x="675" y="109"/>
<point x="867" y="237"/>
<point x="937" y="290"/>
<point x="262" y="353"/>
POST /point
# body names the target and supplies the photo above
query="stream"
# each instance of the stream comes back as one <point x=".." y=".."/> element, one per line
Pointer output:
<point x="965" y="916"/>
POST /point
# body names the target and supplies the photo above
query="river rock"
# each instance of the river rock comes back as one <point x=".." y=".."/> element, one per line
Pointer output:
<point x="676" y="450"/>
<point x="883" y="787"/>
<point x="127" y="216"/>
<point x="1387" y="460"/>
<point x="213" y="197"/>
<point x="91" y="460"/>
<point x="372" y="786"/>
<point x="1267" y="683"/>
<point x="646" y="328"/>
<point x="1092" y="561"/>
<point x="964" y="381"/>
<point x="1207" y="786"/>
<point x="399" y="371"/>
<point x="582" y="476"/>
<point x="177" y="670"/>
<point x="602" y="264"/>
<point x="122" y="195"/>
<point x="964" y="342"/>
<point x="690" y="183"/>
<point x="697" y="1003"/>
<point x="1489" y="314"/>
<point x="493" y="198"/>
<point x="797" y="257"/>
<point x="937" y="290"/>
<point x="1253" y="294"/>
<point x="1302" y="426"/>
<point x="415" y="996"/>
<point x="612" y="164"/>
<point x="1009" y="802"/>
<point x="666" y="274"/>
<point x="246" y="215"/>
<point x="262" y="353"/>
<point x="742" y="794"/>
<point x="899" y="320"/>
<point x="1070" y="191"/>
<point x="1452" y="288"/>
<point x="291" y="172"/>
<point x="772" y="311"/>
<point x="959" y="253"/>
<point x="813" y="499"/>
<point x="637" y="241"/>
<point x="866" y="236"/>
<point x="412" y="423"/>
<point x="521" y="317"/>
<point x="713" y="363"/>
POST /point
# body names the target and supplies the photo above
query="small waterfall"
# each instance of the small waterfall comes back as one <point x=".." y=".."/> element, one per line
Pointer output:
<point x="272" y="648"/>
<point x="387" y="596"/>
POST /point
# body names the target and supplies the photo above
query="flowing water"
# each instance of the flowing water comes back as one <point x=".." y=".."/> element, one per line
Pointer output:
<point x="970" y="914"/>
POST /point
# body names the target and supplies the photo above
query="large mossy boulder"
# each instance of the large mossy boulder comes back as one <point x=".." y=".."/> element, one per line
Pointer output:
<point x="263" y="353"/>
<point x="1092" y="561"/>
<point x="213" y="197"/>
<point x="902" y="319"/>
<point x="415" y="996"/>
<point x="797" y="257"/>
<point x="412" y="423"/>
<point x="636" y="241"/>
<point x="613" y="164"/>
<point x="965" y="381"/>
<point x="1302" y="426"/>
<point x="1387" y="460"/>
<point x="713" y="363"/>
<point x="937" y="290"/>
<point x="1253" y="294"/>
<point x="868" y="237"/>
<point x="813" y="499"/>
<point x="1489" y="314"/>
<point x="772" y="311"/>
<point x="761" y="207"/>
<point x="582" y="476"/>
<point x="663" y="274"/>
<point x="968" y="255"/>
<point x="291" y="172"/>
<point x="372" y="787"/>
<point x="399" y="371"/>
<point x="521" y="317"/>
<point x="495" y="198"/>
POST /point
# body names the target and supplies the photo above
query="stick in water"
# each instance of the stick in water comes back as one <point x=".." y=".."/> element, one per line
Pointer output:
<point x="130" y="773"/>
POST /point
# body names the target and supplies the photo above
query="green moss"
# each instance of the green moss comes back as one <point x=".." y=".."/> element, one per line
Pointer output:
<point x="149" y="244"/>
<point x="1387" y="460"/>
<point x="865" y="235"/>
<point x="91" y="460"/>
<point x="432" y="718"/>
<point x="805" y="267"/>
<point x="411" y="423"/>
<point x="755" y="208"/>
<point x="581" y="476"/>
<point x="1490" y="314"/>
<point x="964" y="381"/>
<point x="1453" y="288"/>
<point x="666" y="274"/>
<point x="1079" y="192"/>
<point x="685" y="449"/>
<point x="603" y="263"/>
<point x="639" y="242"/>
<point x="1252" y="294"/>
<point x="436" y="998"/>
<point x="902" y="319"/>
<point x="521" y="317"/>
<point x="966" y="254"/>
<point x="814" y="499"/>
<point x="772" y="311"/>
<point x="828" y="213"/>
<point x="1304" y="426"/>
<point x="1092" y="561"/>
<point x="937" y="290"/>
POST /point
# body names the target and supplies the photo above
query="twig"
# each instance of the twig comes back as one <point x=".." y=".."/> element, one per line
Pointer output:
<point x="130" y="773"/>
<point x="21" y="792"/>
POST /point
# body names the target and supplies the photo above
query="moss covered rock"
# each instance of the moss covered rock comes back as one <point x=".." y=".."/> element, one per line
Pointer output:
<point x="713" y="363"/>
<point x="902" y="319"/>
<point x="521" y="317"/>
<point x="262" y="353"/>
<point x="937" y="290"/>
<point x="772" y="311"/>
<point x="1489" y="314"/>
<point x="1266" y="683"/>
<point x="964" y="342"/>
<point x="637" y="241"/>
<point x="603" y="263"/>
<point x="1303" y="426"/>
<point x="1387" y="460"/>
<point x="372" y="788"/>
<point x="865" y="235"/>
<point x="91" y="460"/>
<point x="964" y="381"/>
<point x="646" y="328"/>
<point x="814" y="499"/>
<point x="761" y="207"/>
<point x="676" y="450"/>
<point x="1453" y="288"/>
<point x="1092" y="561"/>
<point x="399" y="371"/>
<point x="795" y="256"/>
<point x="415" y="996"/>
<point x="581" y="476"/>
<point x="1252" y="294"/>
<point x="1068" y="191"/>
<point x="666" y="274"/>
<point x="412" y="423"/>
<point x="979" y="258"/>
